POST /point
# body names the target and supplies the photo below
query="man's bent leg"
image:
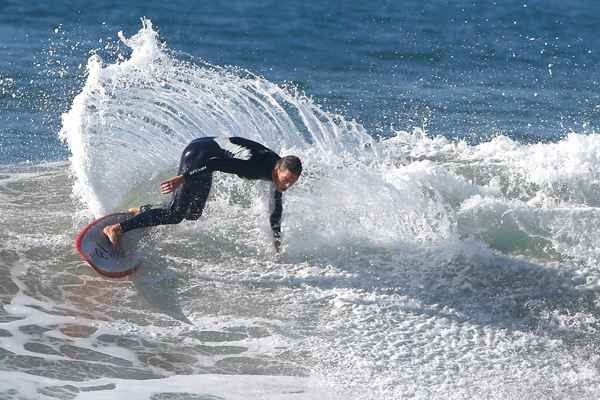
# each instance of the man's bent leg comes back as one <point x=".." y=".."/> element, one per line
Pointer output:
<point x="188" y="200"/>
<point x="152" y="217"/>
<point x="147" y="217"/>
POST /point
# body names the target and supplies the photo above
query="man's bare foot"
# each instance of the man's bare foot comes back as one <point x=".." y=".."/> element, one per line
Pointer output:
<point x="134" y="211"/>
<point x="113" y="233"/>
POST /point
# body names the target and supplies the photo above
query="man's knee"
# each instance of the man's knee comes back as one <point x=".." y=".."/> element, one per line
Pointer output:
<point x="174" y="217"/>
<point x="193" y="215"/>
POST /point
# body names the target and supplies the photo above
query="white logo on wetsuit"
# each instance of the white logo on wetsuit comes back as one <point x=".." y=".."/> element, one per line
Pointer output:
<point x="236" y="151"/>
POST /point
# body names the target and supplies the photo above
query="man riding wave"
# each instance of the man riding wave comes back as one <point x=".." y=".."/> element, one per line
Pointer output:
<point x="190" y="188"/>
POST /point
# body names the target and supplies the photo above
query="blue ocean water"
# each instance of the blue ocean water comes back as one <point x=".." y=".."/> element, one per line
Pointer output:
<point x="525" y="69"/>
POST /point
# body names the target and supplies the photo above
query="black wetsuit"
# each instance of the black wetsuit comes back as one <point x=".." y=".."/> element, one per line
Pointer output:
<point x="235" y="155"/>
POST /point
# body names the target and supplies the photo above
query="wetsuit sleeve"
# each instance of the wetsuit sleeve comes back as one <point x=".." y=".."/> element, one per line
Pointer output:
<point x="276" y="207"/>
<point x="227" y="165"/>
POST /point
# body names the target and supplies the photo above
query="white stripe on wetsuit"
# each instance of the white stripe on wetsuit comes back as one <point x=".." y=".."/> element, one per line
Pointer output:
<point x="236" y="151"/>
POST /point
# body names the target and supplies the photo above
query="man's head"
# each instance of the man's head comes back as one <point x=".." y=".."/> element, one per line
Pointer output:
<point x="286" y="172"/>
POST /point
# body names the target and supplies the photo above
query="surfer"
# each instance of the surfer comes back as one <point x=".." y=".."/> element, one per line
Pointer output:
<point x="190" y="188"/>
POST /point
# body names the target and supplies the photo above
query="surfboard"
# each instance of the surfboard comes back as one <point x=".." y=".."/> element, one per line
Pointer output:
<point x="95" y="248"/>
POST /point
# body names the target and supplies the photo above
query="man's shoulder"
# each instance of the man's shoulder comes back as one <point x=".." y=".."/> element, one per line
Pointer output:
<point x="251" y="144"/>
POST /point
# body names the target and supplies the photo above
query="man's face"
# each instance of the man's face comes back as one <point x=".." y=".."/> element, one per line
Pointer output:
<point x="284" y="179"/>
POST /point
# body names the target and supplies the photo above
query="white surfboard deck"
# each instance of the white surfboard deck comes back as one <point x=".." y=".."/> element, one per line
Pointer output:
<point x="95" y="248"/>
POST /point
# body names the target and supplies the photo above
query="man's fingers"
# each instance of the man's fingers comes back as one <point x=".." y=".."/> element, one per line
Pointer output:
<point x="166" y="187"/>
<point x="170" y="185"/>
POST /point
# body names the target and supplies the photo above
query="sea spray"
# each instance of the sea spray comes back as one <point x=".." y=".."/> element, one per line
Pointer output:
<point x="132" y="119"/>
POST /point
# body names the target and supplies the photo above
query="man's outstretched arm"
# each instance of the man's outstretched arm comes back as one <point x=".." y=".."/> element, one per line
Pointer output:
<point x="276" y="206"/>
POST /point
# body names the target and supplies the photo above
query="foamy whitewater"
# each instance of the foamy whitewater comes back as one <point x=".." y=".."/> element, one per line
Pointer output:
<point x="413" y="267"/>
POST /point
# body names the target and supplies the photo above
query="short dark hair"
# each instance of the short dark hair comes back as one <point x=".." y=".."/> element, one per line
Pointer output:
<point x="291" y="163"/>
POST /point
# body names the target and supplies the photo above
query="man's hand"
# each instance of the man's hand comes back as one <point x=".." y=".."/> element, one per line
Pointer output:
<point x="170" y="185"/>
<point x="277" y="245"/>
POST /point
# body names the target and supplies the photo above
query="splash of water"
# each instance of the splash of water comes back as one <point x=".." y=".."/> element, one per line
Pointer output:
<point x="128" y="125"/>
<point x="133" y="118"/>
